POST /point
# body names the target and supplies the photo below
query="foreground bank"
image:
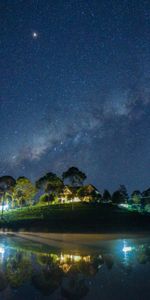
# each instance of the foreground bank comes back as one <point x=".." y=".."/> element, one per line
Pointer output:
<point x="78" y="218"/>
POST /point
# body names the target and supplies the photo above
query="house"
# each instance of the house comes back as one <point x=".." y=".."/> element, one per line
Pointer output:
<point x="69" y="194"/>
<point x="87" y="193"/>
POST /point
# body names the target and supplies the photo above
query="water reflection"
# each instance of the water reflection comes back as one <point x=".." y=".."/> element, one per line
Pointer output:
<point x="61" y="275"/>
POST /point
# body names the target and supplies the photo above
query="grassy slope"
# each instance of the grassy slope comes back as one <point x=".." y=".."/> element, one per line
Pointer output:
<point x="83" y="218"/>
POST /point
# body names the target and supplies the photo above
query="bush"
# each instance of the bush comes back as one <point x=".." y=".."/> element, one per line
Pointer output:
<point x="43" y="199"/>
<point x="147" y="208"/>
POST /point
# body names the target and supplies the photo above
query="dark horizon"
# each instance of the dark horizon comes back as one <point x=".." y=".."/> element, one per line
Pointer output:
<point x="75" y="90"/>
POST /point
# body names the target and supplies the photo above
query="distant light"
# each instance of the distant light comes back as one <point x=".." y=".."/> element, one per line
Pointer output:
<point x="123" y="205"/>
<point x="127" y="249"/>
<point x="4" y="207"/>
<point x="2" y="250"/>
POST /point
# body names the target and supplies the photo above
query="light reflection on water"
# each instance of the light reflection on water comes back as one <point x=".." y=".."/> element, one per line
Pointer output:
<point x="118" y="269"/>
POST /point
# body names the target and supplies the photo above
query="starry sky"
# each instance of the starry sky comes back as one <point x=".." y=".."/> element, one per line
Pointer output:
<point x="75" y="89"/>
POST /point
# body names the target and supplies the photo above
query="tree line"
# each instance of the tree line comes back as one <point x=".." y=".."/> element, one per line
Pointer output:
<point x="22" y="192"/>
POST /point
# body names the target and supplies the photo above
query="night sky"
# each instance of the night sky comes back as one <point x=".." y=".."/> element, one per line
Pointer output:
<point x="75" y="89"/>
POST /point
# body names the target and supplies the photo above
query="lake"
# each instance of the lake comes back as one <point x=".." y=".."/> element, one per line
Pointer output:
<point x="117" y="268"/>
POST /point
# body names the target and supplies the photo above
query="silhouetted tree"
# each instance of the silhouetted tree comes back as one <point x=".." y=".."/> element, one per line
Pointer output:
<point x="7" y="184"/>
<point x="117" y="197"/>
<point x="146" y="197"/>
<point x="124" y="192"/>
<point x="136" y="197"/>
<point x="74" y="175"/>
<point x="106" y="195"/>
<point x="51" y="184"/>
<point x="120" y="196"/>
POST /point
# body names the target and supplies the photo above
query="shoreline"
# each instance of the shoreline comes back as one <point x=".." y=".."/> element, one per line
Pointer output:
<point x="73" y="240"/>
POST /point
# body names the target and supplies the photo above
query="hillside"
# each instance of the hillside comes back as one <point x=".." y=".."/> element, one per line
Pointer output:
<point x="79" y="218"/>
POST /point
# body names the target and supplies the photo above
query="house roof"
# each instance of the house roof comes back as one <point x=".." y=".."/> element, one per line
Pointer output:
<point x="70" y="189"/>
<point x="91" y="187"/>
<point x="87" y="188"/>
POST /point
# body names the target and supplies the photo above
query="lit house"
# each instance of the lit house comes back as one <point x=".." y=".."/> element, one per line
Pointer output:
<point x="86" y="193"/>
<point x="69" y="194"/>
<point x="89" y="193"/>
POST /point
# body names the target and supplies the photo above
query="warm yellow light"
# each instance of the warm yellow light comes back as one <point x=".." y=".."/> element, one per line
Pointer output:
<point x="73" y="258"/>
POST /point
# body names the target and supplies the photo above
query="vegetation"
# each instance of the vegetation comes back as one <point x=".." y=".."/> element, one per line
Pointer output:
<point x="85" y="217"/>
<point x="7" y="184"/>
<point x="41" y="202"/>
<point x="136" y="197"/>
<point x="47" y="270"/>
<point x="51" y="184"/>
<point x="106" y="196"/>
<point x="120" y="196"/>
<point x="23" y="192"/>
<point x="27" y="264"/>
<point x="75" y="176"/>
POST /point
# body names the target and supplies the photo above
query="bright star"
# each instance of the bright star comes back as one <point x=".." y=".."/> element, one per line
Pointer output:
<point x="35" y="35"/>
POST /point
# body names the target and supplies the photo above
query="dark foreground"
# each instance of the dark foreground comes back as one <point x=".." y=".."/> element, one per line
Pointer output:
<point x="86" y="218"/>
<point x="74" y="268"/>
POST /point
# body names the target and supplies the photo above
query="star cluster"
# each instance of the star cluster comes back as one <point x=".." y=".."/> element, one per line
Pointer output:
<point x="75" y="89"/>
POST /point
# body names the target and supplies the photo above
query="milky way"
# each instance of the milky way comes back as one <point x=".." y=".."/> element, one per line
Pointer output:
<point x="75" y="89"/>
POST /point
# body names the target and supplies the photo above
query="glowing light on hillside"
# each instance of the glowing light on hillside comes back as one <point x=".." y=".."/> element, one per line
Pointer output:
<point x="127" y="249"/>
<point x="4" y="207"/>
<point x="73" y="258"/>
<point x="2" y="250"/>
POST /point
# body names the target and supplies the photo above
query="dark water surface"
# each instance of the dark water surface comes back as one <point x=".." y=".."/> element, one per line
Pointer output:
<point x="114" y="269"/>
